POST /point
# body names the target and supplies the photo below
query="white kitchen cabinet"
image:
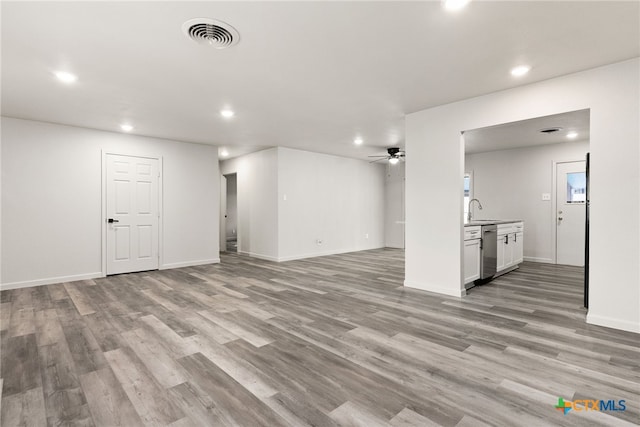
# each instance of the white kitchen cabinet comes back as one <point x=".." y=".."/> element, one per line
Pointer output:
<point x="510" y="245"/>
<point x="503" y="252"/>
<point x="472" y="253"/>
<point x="518" y="243"/>
<point x="500" y="256"/>
<point x="508" y="250"/>
<point x="518" y="248"/>
<point x="471" y="260"/>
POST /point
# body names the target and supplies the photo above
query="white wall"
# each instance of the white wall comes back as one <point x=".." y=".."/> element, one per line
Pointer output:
<point x="394" y="205"/>
<point x="52" y="203"/>
<point x="337" y="200"/>
<point x="257" y="185"/>
<point x="510" y="183"/>
<point x="434" y="182"/>
<point x="232" y="206"/>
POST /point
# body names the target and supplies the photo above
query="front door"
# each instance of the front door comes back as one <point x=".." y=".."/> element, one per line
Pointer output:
<point x="571" y="199"/>
<point x="132" y="213"/>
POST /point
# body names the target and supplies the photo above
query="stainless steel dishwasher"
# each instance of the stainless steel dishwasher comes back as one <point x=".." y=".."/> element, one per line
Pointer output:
<point x="489" y="251"/>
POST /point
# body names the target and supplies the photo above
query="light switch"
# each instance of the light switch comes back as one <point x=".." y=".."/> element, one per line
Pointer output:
<point x="546" y="196"/>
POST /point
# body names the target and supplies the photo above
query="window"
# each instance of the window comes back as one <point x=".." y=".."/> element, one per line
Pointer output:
<point x="576" y="187"/>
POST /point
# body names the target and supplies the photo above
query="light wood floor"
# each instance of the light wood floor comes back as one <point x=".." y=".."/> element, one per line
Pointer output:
<point x="326" y="341"/>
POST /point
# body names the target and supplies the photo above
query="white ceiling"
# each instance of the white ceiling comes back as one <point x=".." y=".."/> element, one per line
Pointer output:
<point x="526" y="133"/>
<point x="308" y="75"/>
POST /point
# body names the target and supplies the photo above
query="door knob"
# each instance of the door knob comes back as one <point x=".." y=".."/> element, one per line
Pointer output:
<point x="111" y="220"/>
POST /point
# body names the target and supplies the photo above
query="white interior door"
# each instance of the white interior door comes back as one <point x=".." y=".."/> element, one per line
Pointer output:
<point x="570" y="212"/>
<point x="132" y="212"/>
<point x="223" y="213"/>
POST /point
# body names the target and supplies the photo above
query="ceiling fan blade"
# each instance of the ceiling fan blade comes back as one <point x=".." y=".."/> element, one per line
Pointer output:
<point x="379" y="160"/>
<point x="379" y="156"/>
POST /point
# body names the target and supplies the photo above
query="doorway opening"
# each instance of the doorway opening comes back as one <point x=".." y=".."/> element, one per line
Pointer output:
<point x="534" y="171"/>
<point x="230" y="231"/>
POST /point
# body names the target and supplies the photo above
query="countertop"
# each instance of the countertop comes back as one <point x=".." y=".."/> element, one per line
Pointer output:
<point x="490" y="222"/>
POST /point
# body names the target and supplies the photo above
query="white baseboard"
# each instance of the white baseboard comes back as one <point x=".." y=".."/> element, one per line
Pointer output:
<point x="537" y="259"/>
<point x="50" y="281"/>
<point x="393" y="246"/>
<point x="259" y="256"/>
<point x="610" y="322"/>
<point x="89" y="276"/>
<point x="189" y="263"/>
<point x="325" y="253"/>
<point x="304" y="256"/>
<point x="435" y="289"/>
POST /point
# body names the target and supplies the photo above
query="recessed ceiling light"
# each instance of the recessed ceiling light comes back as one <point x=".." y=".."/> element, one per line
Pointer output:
<point x="126" y="128"/>
<point x="65" y="77"/>
<point x="394" y="160"/>
<point x="520" y="70"/>
<point x="572" y="135"/>
<point x="227" y="113"/>
<point x="224" y="153"/>
<point x="358" y="141"/>
<point x="455" y="5"/>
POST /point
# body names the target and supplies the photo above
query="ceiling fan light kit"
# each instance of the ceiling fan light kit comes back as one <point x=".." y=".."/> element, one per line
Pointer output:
<point x="394" y="155"/>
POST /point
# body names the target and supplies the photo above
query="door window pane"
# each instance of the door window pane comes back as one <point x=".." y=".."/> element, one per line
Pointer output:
<point x="576" y="187"/>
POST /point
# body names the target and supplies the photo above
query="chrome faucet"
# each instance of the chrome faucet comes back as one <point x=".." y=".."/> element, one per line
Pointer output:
<point x="469" y="208"/>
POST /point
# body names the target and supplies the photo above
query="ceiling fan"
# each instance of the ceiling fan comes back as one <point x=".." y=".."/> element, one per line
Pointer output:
<point x="394" y="156"/>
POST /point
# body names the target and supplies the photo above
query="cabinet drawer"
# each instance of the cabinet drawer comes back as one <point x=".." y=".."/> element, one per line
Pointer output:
<point x="518" y="227"/>
<point x="471" y="233"/>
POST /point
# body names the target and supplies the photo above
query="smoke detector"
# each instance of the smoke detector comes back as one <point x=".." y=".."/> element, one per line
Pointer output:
<point x="216" y="34"/>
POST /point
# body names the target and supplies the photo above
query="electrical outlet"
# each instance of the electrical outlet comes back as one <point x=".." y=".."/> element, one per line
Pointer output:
<point x="546" y="197"/>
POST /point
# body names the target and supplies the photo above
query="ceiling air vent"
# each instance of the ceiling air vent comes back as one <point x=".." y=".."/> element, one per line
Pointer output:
<point x="216" y="34"/>
<point x="549" y="131"/>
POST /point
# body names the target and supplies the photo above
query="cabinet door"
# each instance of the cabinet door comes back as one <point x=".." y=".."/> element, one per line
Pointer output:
<point x="502" y="246"/>
<point x="508" y="250"/>
<point x="518" y="248"/>
<point x="471" y="260"/>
